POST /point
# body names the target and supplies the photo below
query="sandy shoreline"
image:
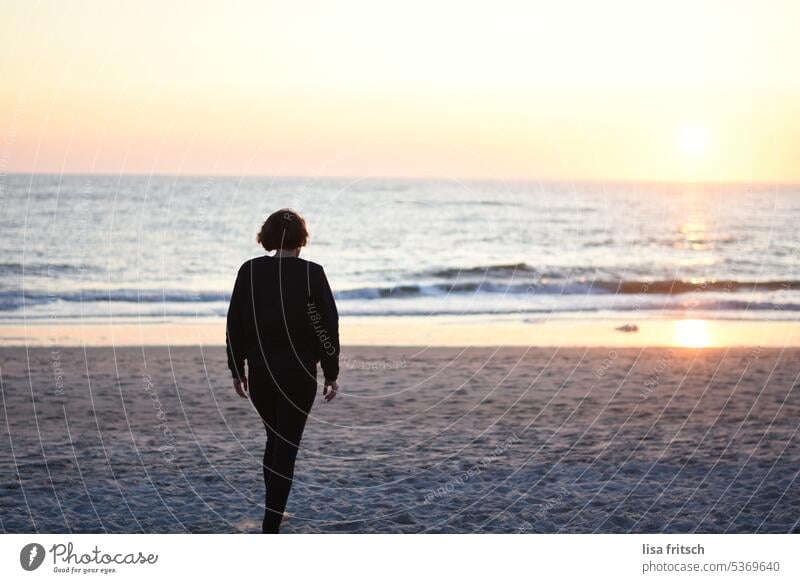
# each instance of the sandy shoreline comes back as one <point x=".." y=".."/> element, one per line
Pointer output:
<point x="151" y="439"/>
<point x="487" y="331"/>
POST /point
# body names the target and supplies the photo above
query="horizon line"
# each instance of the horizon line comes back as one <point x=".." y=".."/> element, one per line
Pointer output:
<point x="344" y="177"/>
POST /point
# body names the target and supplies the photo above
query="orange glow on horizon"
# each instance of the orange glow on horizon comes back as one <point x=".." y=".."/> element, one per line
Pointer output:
<point x="535" y="90"/>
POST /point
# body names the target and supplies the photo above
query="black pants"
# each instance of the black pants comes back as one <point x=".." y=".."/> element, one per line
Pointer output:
<point x="282" y="391"/>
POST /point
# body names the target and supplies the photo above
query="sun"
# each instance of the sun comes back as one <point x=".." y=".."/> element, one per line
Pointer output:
<point x="693" y="140"/>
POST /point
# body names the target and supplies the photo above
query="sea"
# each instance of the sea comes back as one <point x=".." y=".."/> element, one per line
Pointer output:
<point x="167" y="248"/>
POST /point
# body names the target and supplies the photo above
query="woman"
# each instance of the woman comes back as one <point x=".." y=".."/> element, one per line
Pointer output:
<point x="282" y="321"/>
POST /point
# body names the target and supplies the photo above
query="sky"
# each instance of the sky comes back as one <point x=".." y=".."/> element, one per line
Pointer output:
<point x="612" y="90"/>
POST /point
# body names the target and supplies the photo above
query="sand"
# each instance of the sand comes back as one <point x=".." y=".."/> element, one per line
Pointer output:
<point x="435" y="440"/>
<point x="452" y="331"/>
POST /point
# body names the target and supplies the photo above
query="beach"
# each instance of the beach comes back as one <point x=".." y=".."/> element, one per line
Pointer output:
<point x="520" y="356"/>
<point x="505" y="439"/>
<point x="447" y="331"/>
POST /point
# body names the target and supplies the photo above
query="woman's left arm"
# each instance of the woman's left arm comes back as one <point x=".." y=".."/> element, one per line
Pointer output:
<point x="234" y="333"/>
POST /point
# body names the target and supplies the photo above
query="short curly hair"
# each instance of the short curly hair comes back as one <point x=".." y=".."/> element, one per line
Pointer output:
<point x="283" y="229"/>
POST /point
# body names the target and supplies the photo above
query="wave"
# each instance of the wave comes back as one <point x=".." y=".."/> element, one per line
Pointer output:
<point x="440" y="289"/>
<point x="12" y="300"/>
<point x="503" y="269"/>
<point x="658" y="287"/>
<point x="514" y="274"/>
<point x="674" y="287"/>
<point x="15" y="299"/>
<point x="736" y="310"/>
<point x="733" y="309"/>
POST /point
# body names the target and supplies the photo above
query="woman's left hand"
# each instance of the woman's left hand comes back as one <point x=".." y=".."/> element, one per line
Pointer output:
<point x="240" y="386"/>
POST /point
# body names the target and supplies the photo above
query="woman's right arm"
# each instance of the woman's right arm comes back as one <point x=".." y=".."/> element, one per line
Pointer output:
<point x="328" y="329"/>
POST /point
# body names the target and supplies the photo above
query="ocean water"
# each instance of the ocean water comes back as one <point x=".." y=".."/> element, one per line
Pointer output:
<point x="167" y="248"/>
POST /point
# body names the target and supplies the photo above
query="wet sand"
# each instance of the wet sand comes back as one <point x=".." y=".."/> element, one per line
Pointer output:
<point x="453" y="331"/>
<point x="508" y="439"/>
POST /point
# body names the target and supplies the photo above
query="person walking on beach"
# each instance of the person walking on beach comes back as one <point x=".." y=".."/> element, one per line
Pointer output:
<point x="282" y="321"/>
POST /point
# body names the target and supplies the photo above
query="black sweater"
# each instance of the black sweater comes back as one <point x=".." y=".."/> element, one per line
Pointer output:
<point x="285" y="308"/>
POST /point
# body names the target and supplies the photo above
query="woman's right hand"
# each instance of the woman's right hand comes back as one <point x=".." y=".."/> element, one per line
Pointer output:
<point x="329" y="390"/>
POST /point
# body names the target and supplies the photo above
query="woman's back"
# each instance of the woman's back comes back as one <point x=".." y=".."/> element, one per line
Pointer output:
<point x="283" y="307"/>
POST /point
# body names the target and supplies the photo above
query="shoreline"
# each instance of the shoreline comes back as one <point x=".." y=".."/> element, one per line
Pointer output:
<point x="445" y="331"/>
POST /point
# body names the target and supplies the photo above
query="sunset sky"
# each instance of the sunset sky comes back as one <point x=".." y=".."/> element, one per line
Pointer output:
<point x="534" y="90"/>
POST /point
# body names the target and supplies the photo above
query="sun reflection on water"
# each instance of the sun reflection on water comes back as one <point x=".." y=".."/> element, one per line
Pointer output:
<point x="693" y="334"/>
